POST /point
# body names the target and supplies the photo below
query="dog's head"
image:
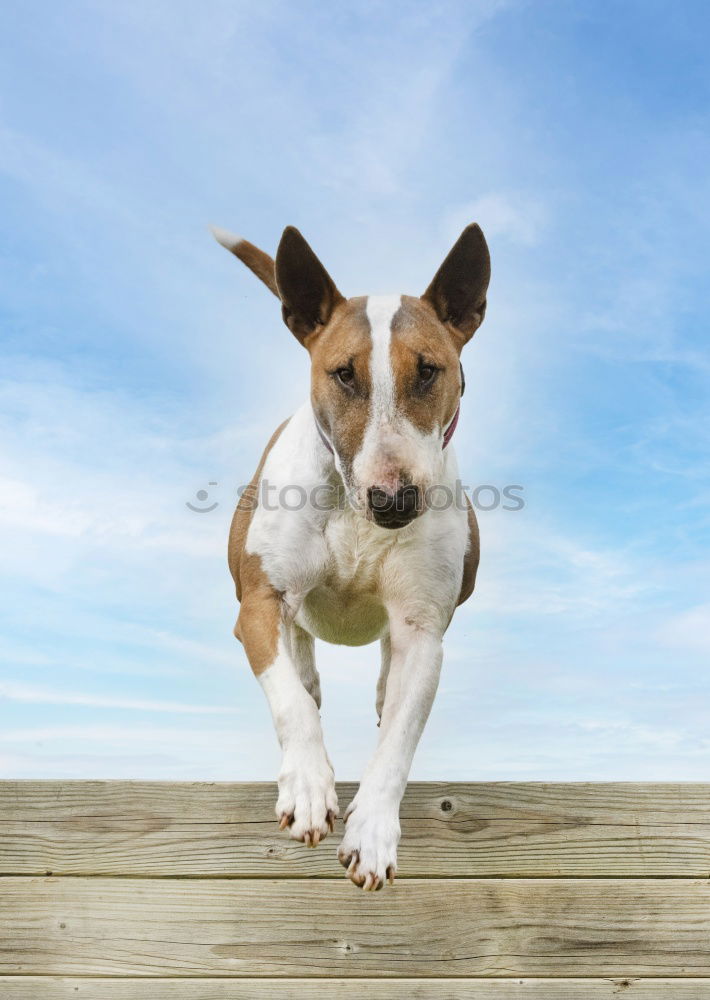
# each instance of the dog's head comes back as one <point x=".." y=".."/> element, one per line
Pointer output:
<point x="385" y="373"/>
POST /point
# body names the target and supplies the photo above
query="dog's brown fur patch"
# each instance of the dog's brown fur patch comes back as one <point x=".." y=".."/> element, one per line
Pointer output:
<point x="345" y="341"/>
<point x="259" y="618"/>
<point x="471" y="559"/>
<point x="259" y="622"/>
<point x="417" y="334"/>
<point x="243" y="514"/>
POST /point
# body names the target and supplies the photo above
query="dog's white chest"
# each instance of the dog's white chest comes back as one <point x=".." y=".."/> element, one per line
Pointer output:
<point x="346" y="607"/>
<point x="356" y="550"/>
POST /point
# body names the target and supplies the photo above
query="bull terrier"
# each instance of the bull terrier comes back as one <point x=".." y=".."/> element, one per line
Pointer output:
<point x="368" y="554"/>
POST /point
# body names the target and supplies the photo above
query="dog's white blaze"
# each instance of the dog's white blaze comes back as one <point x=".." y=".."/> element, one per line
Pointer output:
<point x="390" y="442"/>
<point x="381" y="310"/>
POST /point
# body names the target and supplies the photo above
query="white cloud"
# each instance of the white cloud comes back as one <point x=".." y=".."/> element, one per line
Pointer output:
<point x="511" y="216"/>
<point x="34" y="694"/>
<point x="151" y="751"/>
<point x="157" y="736"/>
<point x="689" y="630"/>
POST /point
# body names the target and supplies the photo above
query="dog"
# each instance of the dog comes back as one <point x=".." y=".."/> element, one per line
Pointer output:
<point x="367" y="554"/>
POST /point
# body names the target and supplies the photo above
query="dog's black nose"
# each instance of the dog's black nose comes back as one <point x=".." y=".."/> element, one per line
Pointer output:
<point x="394" y="510"/>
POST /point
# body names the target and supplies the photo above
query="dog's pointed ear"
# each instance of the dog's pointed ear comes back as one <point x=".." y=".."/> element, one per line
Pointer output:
<point x="458" y="290"/>
<point x="308" y="293"/>
<point x="255" y="259"/>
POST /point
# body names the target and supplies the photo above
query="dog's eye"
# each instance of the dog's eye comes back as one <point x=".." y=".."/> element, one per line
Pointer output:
<point x="346" y="376"/>
<point x="427" y="374"/>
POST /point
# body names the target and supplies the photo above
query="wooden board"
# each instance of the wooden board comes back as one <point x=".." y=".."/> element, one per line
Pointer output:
<point x="475" y="927"/>
<point x="507" y="891"/>
<point x="50" y="988"/>
<point x="160" y="829"/>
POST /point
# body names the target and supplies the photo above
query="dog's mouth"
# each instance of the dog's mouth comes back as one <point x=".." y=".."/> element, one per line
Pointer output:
<point x="400" y="521"/>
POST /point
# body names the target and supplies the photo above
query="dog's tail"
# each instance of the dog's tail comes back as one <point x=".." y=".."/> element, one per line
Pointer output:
<point x="255" y="259"/>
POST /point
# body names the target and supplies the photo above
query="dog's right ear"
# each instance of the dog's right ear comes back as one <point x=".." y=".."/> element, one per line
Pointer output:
<point x="255" y="259"/>
<point x="308" y="293"/>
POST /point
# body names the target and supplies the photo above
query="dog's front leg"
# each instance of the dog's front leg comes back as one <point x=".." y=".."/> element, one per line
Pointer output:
<point x="307" y="803"/>
<point x="369" y="848"/>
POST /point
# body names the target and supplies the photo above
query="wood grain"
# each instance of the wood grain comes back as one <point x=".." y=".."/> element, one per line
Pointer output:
<point x="475" y="927"/>
<point x="51" y="988"/>
<point x="159" y="829"/>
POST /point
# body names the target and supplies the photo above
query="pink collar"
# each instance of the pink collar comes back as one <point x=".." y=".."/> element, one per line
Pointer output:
<point x="448" y="433"/>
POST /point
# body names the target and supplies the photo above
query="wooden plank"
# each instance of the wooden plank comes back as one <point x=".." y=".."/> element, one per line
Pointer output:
<point x="474" y="927"/>
<point x="51" y="988"/>
<point x="502" y="829"/>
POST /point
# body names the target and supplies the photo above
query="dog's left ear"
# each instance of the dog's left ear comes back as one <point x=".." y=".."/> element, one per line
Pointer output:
<point x="458" y="290"/>
<point x="308" y="293"/>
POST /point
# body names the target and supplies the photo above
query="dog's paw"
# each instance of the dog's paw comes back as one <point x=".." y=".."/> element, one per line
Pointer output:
<point x="307" y="804"/>
<point x="368" y="851"/>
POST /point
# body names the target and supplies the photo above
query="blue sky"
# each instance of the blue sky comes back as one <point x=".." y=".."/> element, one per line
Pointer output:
<point x="140" y="363"/>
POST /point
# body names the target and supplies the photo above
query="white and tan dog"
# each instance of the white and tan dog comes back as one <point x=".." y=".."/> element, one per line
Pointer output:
<point x="367" y="554"/>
